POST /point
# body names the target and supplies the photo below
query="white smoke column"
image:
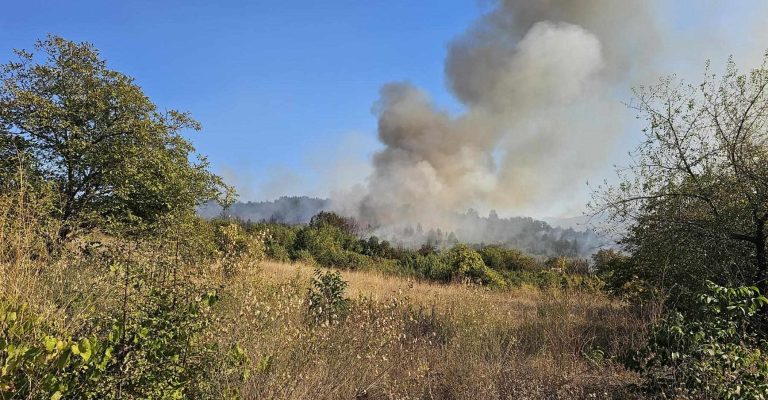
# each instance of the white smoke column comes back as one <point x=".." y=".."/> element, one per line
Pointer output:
<point x="535" y="78"/>
<point x="539" y="81"/>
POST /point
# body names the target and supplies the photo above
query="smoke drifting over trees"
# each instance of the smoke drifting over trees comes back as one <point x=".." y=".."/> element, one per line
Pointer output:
<point x="532" y="77"/>
<point x="286" y="210"/>
<point x="533" y="236"/>
<point x="542" y="85"/>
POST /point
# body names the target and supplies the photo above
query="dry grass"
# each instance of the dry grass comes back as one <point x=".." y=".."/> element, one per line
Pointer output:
<point x="401" y="339"/>
<point x="377" y="285"/>
<point x="405" y="339"/>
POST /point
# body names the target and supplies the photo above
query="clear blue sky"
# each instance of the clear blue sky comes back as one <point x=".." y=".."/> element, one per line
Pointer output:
<point x="273" y="82"/>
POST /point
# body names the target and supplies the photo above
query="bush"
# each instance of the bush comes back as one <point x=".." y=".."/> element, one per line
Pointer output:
<point x="324" y="243"/>
<point x="432" y="266"/>
<point x="235" y="242"/>
<point x="326" y="303"/>
<point x="304" y="256"/>
<point x="151" y="351"/>
<point x="39" y="362"/>
<point x="711" y="351"/>
<point x="278" y="239"/>
<point x="354" y="260"/>
<point x="502" y="259"/>
<point x="373" y="247"/>
<point x="465" y="263"/>
<point x="346" y="225"/>
<point x="278" y="252"/>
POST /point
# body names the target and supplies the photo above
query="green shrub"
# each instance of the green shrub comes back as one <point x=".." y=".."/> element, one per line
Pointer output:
<point x="326" y="303"/>
<point x="152" y="344"/>
<point x="278" y="239"/>
<point x="502" y="259"/>
<point x="355" y="260"/>
<point x="466" y="263"/>
<point x="374" y="247"/>
<point x="323" y="243"/>
<point x="429" y="265"/>
<point x="278" y="252"/>
<point x="712" y="350"/>
<point x="304" y="256"/>
<point x="39" y="362"/>
<point x="346" y="225"/>
<point x="160" y="343"/>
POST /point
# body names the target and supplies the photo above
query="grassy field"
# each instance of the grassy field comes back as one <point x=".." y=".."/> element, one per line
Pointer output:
<point x="397" y="338"/>
<point x="406" y="339"/>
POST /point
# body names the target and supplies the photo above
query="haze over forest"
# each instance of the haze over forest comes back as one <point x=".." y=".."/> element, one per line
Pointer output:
<point x="540" y="93"/>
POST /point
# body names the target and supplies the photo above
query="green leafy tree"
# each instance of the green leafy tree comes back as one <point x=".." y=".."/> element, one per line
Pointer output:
<point x="347" y="225"/>
<point x="92" y="132"/>
<point x="713" y="351"/>
<point x="693" y="203"/>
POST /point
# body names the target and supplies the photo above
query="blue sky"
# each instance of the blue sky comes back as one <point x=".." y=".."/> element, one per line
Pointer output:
<point x="284" y="89"/>
<point x="276" y="84"/>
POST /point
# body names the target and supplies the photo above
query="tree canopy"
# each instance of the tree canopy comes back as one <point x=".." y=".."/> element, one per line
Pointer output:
<point x="694" y="200"/>
<point x="111" y="154"/>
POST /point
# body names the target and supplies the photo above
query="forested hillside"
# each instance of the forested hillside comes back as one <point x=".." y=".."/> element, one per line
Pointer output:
<point x="522" y="233"/>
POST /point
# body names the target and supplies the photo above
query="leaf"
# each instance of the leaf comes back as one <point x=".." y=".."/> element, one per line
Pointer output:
<point x="85" y="349"/>
<point x="50" y="343"/>
<point x="63" y="360"/>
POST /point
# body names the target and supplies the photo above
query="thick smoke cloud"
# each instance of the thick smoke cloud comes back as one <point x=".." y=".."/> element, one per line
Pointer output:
<point x="535" y="78"/>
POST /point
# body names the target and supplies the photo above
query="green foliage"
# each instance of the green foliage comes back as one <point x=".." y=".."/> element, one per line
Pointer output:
<point x="278" y="239"/>
<point x="347" y="226"/>
<point x="692" y="205"/>
<point x="465" y="263"/>
<point x="329" y="246"/>
<point x="305" y="257"/>
<point x="328" y="242"/>
<point x="324" y="243"/>
<point x="575" y="266"/>
<point x="714" y="350"/>
<point x="326" y="303"/>
<point x="430" y="266"/>
<point x="278" y="252"/>
<point x="234" y="242"/>
<point x="620" y="273"/>
<point x="157" y="338"/>
<point x="90" y="132"/>
<point x="611" y="266"/>
<point x="374" y="247"/>
<point x="503" y="259"/>
<point x="36" y="361"/>
<point x="154" y="344"/>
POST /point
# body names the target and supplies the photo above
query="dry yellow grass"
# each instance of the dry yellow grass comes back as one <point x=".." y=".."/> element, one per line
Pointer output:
<point x="401" y="339"/>
<point x="378" y="285"/>
<point x="404" y="339"/>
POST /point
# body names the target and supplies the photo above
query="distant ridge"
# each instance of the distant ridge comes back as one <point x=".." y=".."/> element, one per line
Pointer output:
<point x="291" y="210"/>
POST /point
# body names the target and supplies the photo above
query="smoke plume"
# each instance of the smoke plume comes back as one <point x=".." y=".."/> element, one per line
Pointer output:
<point x="535" y="79"/>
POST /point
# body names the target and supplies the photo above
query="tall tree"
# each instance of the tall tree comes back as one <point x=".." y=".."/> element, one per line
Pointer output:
<point x="694" y="199"/>
<point x="93" y="134"/>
